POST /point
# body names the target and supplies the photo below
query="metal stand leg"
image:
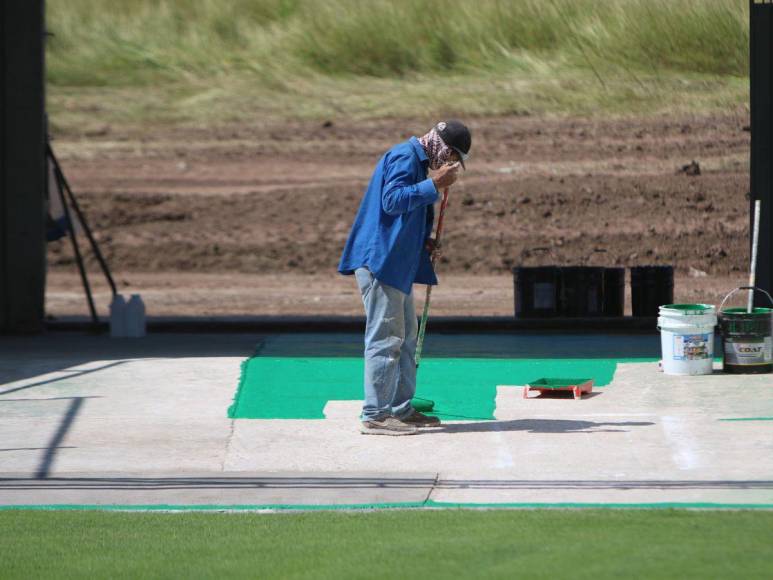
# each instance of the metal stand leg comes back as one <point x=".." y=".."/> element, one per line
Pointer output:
<point x="61" y="179"/>
<point x="74" y="242"/>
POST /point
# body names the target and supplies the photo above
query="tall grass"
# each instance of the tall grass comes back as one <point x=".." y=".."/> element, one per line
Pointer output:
<point x="125" y="42"/>
<point x="186" y="59"/>
<point x="130" y="42"/>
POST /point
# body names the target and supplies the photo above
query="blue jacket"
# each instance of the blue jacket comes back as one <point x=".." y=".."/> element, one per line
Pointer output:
<point x="394" y="221"/>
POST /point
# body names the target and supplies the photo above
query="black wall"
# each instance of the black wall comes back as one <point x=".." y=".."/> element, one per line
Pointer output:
<point x="761" y="73"/>
<point x="22" y="166"/>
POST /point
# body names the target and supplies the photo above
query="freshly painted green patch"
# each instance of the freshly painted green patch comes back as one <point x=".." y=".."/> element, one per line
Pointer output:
<point x="388" y="544"/>
<point x="749" y="419"/>
<point x="462" y="388"/>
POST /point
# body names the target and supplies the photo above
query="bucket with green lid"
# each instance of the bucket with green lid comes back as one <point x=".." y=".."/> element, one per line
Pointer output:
<point x="747" y="337"/>
<point x="687" y="338"/>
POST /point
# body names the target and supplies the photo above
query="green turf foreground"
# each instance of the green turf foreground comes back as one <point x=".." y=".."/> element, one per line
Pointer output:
<point x="411" y="544"/>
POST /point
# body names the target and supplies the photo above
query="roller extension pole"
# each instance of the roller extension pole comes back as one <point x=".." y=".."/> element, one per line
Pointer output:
<point x="755" y="241"/>
<point x="425" y="313"/>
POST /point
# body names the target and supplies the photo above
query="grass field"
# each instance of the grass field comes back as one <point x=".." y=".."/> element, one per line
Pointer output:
<point x="207" y="60"/>
<point x="388" y="544"/>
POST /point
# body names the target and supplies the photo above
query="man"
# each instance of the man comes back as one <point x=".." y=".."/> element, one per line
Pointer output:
<point x="389" y="248"/>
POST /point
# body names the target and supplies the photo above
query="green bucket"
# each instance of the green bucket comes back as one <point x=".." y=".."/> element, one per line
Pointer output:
<point x="747" y="337"/>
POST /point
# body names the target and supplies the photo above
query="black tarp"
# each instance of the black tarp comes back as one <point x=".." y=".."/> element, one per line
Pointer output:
<point x="22" y="166"/>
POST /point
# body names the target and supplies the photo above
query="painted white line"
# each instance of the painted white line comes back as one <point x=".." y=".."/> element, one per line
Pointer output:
<point x="503" y="458"/>
<point x="681" y="442"/>
<point x="342" y="410"/>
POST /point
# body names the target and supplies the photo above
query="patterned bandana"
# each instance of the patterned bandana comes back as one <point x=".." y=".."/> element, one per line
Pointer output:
<point x="437" y="151"/>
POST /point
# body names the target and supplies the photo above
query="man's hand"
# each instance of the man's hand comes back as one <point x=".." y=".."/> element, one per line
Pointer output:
<point x="434" y="248"/>
<point x="445" y="176"/>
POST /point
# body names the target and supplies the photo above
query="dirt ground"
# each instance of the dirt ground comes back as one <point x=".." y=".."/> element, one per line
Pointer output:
<point x="251" y="219"/>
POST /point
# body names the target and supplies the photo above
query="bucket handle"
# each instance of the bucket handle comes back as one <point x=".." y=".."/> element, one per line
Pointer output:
<point x="744" y="288"/>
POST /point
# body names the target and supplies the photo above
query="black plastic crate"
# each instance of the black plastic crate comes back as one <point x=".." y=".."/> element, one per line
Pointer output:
<point x="651" y="287"/>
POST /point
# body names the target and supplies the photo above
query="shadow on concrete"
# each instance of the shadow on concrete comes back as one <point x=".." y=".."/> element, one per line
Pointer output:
<point x="332" y="324"/>
<point x="35" y="448"/>
<point x="55" y="444"/>
<point x="73" y="355"/>
<point x="24" y="357"/>
<point x="36" y="399"/>
<point x="71" y="374"/>
<point x="523" y="345"/>
<point x="538" y="426"/>
<point x="222" y="482"/>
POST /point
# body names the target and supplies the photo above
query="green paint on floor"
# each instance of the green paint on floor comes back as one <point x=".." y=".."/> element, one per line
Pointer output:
<point x="427" y="504"/>
<point x="462" y="388"/>
<point x="749" y="419"/>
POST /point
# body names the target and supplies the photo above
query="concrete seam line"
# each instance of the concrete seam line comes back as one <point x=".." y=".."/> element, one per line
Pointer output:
<point x="432" y="489"/>
<point x="228" y="441"/>
<point x="232" y="409"/>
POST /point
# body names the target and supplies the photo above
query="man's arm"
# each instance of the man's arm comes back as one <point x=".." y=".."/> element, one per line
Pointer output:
<point x="401" y="194"/>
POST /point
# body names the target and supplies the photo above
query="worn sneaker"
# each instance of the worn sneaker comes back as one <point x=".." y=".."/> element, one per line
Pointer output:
<point x="421" y="420"/>
<point x="388" y="426"/>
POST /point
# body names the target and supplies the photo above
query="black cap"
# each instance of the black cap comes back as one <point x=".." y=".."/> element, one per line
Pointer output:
<point x="456" y="135"/>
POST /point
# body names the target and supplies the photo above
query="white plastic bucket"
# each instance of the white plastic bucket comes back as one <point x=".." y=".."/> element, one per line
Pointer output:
<point x="687" y="338"/>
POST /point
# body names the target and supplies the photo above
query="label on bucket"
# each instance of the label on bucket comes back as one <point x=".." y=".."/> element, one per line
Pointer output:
<point x="748" y="352"/>
<point x="691" y="346"/>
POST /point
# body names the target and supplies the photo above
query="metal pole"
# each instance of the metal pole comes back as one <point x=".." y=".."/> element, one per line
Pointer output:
<point x="755" y="243"/>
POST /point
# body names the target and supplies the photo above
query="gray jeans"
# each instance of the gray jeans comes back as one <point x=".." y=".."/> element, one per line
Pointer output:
<point x="390" y="346"/>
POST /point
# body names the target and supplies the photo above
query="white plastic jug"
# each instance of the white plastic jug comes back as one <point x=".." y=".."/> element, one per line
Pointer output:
<point x="118" y="316"/>
<point x="135" y="317"/>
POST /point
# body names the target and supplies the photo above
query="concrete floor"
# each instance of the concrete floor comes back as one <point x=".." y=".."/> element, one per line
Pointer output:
<point x="90" y="420"/>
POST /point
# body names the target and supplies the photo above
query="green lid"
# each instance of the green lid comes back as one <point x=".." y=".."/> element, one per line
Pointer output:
<point x="689" y="308"/>
<point x="759" y="311"/>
